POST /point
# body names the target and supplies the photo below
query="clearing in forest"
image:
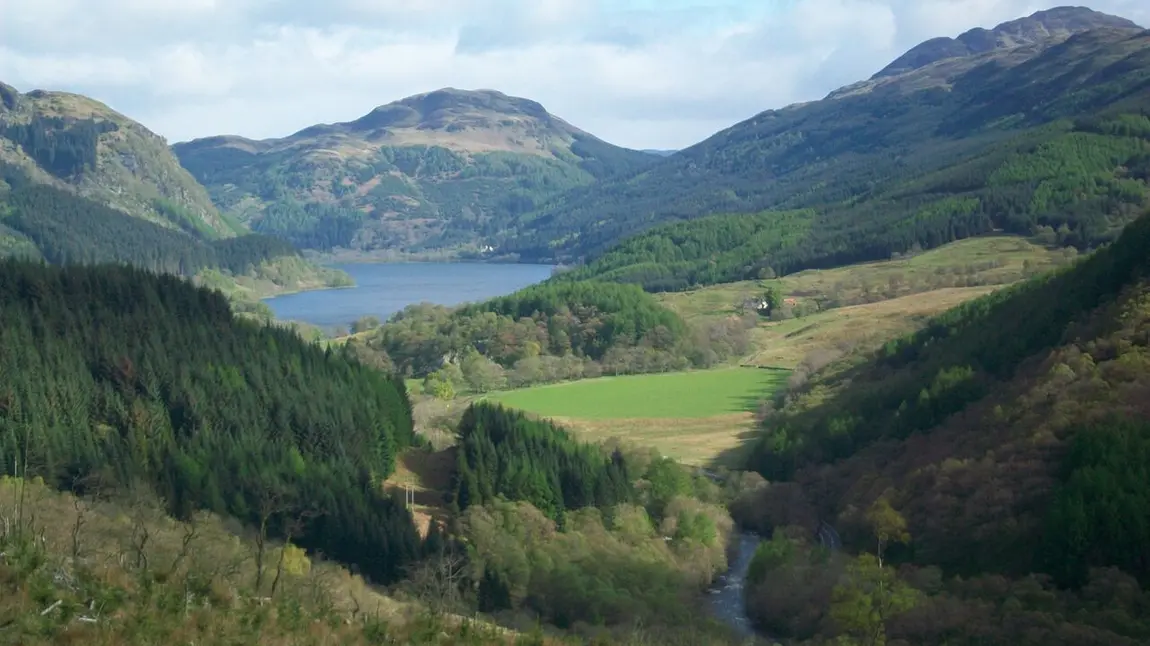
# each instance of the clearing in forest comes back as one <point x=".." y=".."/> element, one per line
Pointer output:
<point x="676" y="395"/>
<point x="975" y="262"/>
<point x="697" y="417"/>
<point x="869" y="303"/>
<point x="428" y="474"/>
<point x="785" y="344"/>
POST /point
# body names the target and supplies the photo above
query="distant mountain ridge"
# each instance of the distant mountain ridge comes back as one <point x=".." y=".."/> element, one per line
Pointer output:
<point x="74" y="142"/>
<point x="951" y="149"/>
<point x="443" y="169"/>
<point x="1059" y="22"/>
<point x="82" y="183"/>
<point x="461" y="120"/>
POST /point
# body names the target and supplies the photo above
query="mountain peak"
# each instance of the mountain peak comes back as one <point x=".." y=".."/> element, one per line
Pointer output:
<point x="1059" y="22"/>
<point x="451" y="109"/>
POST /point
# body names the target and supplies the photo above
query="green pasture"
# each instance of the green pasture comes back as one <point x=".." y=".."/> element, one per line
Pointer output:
<point x="695" y="394"/>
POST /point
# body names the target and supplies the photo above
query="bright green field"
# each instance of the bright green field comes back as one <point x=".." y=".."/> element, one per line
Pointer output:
<point x="702" y="393"/>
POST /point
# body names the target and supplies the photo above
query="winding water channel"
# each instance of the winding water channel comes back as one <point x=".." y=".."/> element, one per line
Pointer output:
<point x="727" y="592"/>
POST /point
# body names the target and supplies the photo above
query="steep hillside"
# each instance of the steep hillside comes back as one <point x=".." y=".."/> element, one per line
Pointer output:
<point x="444" y="170"/>
<point x="80" y="183"/>
<point x="68" y="140"/>
<point x="117" y="378"/>
<point x="53" y="223"/>
<point x="1010" y="436"/>
<point x="1047" y="133"/>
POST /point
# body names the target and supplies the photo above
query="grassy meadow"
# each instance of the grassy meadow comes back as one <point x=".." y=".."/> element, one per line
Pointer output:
<point x="697" y="417"/>
<point x="976" y="262"/>
<point x="866" y="304"/>
<point x="703" y="417"/>
<point x="785" y="344"/>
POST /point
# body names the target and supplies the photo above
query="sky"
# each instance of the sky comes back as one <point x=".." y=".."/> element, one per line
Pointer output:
<point x="637" y="73"/>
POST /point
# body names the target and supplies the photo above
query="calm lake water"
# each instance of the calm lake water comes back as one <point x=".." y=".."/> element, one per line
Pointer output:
<point x="385" y="288"/>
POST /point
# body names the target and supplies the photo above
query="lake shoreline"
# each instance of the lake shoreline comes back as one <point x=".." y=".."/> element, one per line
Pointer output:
<point x="383" y="288"/>
<point x="391" y="257"/>
<point x="305" y="290"/>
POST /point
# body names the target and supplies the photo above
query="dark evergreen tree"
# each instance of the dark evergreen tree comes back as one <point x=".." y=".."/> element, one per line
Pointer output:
<point x="65" y="147"/>
<point x="504" y="453"/>
<point x="133" y="376"/>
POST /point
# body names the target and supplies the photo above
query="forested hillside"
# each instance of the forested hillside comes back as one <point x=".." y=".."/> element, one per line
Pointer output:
<point x="446" y="170"/>
<point x="113" y="377"/>
<point x="67" y="228"/>
<point x="143" y="396"/>
<point x="545" y="333"/>
<point x="80" y="183"/>
<point x="71" y="141"/>
<point x="1050" y="136"/>
<point x="586" y="534"/>
<point x="1006" y="438"/>
<point x="1072" y="183"/>
<point x="55" y="224"/>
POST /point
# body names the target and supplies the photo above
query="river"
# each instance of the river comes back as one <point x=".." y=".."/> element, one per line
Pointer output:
<point x="727" y="592"/>
<point x="385" y="288"/>
<point x="382" y="289"/>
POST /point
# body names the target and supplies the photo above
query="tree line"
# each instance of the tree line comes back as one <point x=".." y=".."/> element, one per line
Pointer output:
<point x="503" y="453"/>
<point x="549" y="332"/>
<point x="125" y="377"/>
<point x="70" y="229"/>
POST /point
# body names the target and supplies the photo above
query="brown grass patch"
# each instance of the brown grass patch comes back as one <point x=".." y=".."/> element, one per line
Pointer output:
<point x="698" y="442"/>
<point x="786" y="343"/>
<point x="367" y="186"/>
<point x="428" y="473"/>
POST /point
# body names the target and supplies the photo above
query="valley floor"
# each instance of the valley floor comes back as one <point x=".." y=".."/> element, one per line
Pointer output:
<point x="707" y="417"/>
<point x="695" y="417"/>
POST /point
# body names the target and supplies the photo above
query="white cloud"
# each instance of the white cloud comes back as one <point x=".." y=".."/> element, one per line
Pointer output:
<point x="634" y="75"/>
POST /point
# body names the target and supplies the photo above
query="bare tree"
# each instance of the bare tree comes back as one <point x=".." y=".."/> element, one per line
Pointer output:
<point x="144" y="508"/>
<point x="23" y="468"/>
<point x="294" y="527"/>
<point x="81" y="484"/>
<point x="438" y="580"/>
<point x="191" y="533"/>
<point x="273" y="501"/>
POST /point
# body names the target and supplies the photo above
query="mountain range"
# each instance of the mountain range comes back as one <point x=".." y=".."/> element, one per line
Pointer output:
<point x="1041" y="27"/>
<point x="446" y="169"/>
<point x="1028" y="126"/>
<point x="978" y="481"/>
<point x="885" y="153"/>
<point x="468" y="172"/>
